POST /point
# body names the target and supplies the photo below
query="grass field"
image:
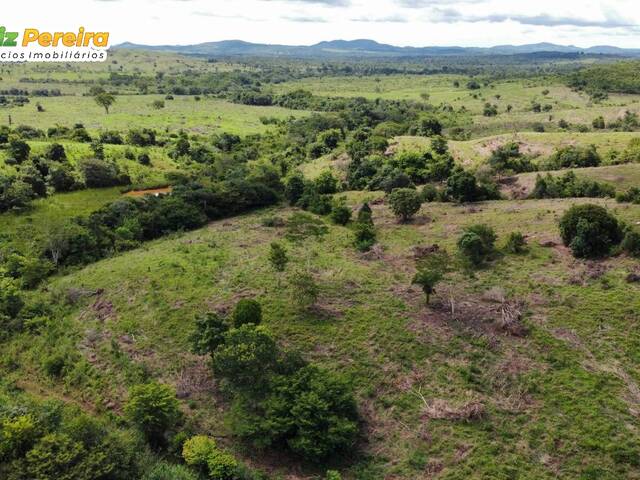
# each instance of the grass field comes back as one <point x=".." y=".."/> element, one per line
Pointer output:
<point x="473" y="152"/>
<point x="558" y="389"/>
<point x="440" y="89"/>
<point x="136" y="111"/>
<point x="622" y="177"/>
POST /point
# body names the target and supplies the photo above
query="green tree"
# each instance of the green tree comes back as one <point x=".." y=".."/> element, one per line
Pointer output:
<point x="590" y="230"/>
<point x="246" y="358"/>
<point x="428" y="279"/>
<point x="153" y="407"/>
<point x="247" y="311"/>
<point x="405" y="203"/>
<point x="105" y="100"/>
<point x="312" y="411"/>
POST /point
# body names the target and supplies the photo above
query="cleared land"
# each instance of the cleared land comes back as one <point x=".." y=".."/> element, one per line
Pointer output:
<point x="557" y="389"/>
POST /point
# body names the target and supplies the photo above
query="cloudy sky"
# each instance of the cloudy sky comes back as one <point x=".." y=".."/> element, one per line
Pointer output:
<point x="303" y="22"/>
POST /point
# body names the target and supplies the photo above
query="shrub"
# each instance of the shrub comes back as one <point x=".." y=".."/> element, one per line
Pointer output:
<point x="365" y="236"/>
<point x="632" y="196"/>
<point x="569" y="186"/>
<point x="507" y="158"/>
<point x="590" y="230"/>
<point x="477" y="243"/>
<point x="11" y="301"/>
<point x="573" y="156"/>
<point x="429" y="193"/>
<point x="304" y="289"/>
<point x="278" y="257"/>
<point x="222" y="466"/>
<point x="111" y="137"/>
<point x="208" y="334"/>
<point x="340" y="214"/>
<point x="167" y="471"/>
<point x="197" y="450"/>
<point x="56" y="153"/>
<point x="18" y="149"/>
<point x="302" y="225"/>
<point x="154" y="409"/>
<point x="405" y="203"/>
<point x="63" y="179"/>
<point x="326" y="183"/>
<point x="631" y="243"/>
<point x="98" y="173"/>
<point x="463" y="187"/>
<point x="294" y="188"/>
<point x="144" y="159"/>
<point x="516" y="243"/>
<point x="247" y="311"/>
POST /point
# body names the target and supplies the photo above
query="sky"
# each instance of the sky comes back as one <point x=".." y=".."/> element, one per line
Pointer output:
<point x="479" y="23"/>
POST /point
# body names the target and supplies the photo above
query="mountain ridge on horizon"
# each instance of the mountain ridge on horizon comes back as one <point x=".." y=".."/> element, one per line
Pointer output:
<point x="371" y="48"/>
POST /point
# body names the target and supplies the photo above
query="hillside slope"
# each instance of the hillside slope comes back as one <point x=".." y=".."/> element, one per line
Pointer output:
<point x="445" y="390"/>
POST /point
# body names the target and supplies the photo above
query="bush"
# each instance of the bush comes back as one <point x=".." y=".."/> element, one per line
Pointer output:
<point x="197" y="450"/>
<point x="516" y="243"/>
<point x="167" y="471"/>
<point x="98" y="173"/>
<point x="631" y="243"/>
<point x="294" y="188"/>
<point x="462" y="186"/>
<point x="304" y="289"/>
<point x="278" y="257"/>
<point x="507" y="158"/>
<point x="11" y="301"/>
<point x="56" y="153"/>
<point x="573" y="157"/>
<point x="429" y="193"/>
<point x="326" y="183"/>
<point x="63" y="178"/>
<point x="154" y="409"/>
<point x="247" y="311"/>
<point x="405" y="203"/>
<point x="208" y="334"/>
<point x="365" y="236"/>
<point x="590" y="230"/>
<point x="144" y="159"/>
<point x="341" y="214"/>
<point x="477" y="243"/>
<point x="18" y="149"/>
<point x="632" y="196"/>
<point x="569" y="186"/>
<point x="222" y="466"/>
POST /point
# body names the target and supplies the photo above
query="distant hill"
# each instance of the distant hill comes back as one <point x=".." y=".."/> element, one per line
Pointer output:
<point x="370" y="48"/>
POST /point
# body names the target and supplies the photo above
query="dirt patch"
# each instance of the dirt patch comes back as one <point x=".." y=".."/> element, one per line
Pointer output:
<point x="488" y="318"/>
<point x="587" y="272"/>
<point x="511" y="188"/>
<point x="151" y="191"/>
<point x="194" y="379"/>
